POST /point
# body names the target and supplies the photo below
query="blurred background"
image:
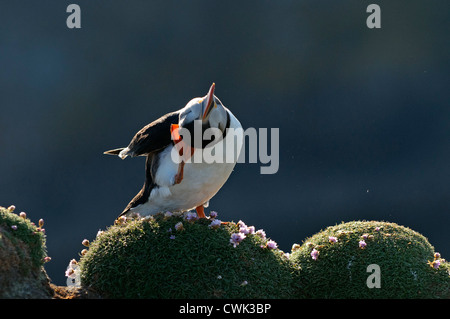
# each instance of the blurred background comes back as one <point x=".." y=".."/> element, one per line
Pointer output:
<point x="364" y="114"/>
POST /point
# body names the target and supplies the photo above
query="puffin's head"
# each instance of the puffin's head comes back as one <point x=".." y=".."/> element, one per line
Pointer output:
<point x="208" y="109"/>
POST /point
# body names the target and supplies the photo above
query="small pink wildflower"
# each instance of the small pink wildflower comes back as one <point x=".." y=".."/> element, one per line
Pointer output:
<point x="314" y="254"/>
<point x="236" y="238"/>
<point x="14" y="227"/>
<point x="435" y="264"/>
<point x="332" y="239"/>
<point x="179" y="226"/>
<point x="261" y="233"/>
<point x="247" y="229"/>
<point x="362" y="244"/>
<point x="191" y="216"/>
<point x="272" y="244"/>
<point x="213" y="214"/>
<point x="241" y="224"/>
<point x="215" y="224"/>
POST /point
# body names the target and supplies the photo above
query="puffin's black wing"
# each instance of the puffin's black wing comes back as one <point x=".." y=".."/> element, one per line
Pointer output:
<point x="144" y="193"/>
<point x="154" y="136"/>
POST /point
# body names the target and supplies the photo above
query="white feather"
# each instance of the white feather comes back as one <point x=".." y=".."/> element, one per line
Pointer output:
<point x="160" y="192"/>
<point x="167" y="168"/>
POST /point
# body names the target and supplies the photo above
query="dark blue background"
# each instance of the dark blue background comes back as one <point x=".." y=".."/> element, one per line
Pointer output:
<point x="363" y="114"/>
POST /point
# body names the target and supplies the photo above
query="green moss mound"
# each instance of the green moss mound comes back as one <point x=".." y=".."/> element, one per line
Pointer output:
<point x="22" y="256"/>
<point x="150" y="258"/>
<point x="334" y="263"/>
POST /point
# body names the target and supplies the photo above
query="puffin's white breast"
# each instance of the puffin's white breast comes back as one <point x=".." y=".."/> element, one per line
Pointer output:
<point x="201" y="180"/>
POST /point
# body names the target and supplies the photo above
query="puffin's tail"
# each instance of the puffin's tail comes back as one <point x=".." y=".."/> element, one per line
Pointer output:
<point x="121" y="152"/>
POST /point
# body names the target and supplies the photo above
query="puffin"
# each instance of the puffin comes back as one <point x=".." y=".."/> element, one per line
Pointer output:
<point x="184" y="171"/>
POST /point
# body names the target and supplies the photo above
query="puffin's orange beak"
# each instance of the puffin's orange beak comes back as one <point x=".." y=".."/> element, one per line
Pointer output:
<point x="209" y="101"/>
<point x="174" y="131"/>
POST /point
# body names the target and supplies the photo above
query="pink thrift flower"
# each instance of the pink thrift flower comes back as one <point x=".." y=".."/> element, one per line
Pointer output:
<point x="271" y="244"/>
<point x="190" y="217"/>
<point x="332" y="239"/>
<point x="261" y="233"/>
<point x="213" y="214"/>
<point x="215" y="224"/>
<point x="362" y="244"/>
<point x="236" y="238"/>
<point x="247" y="230"/>
<point x="241" y="224"/>
<point x="179" y="226"/>
<point x="314" y="254"/>
<point x="436" y="264"/>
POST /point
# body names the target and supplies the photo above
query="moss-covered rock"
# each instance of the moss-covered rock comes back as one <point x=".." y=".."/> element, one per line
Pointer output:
<point x="334" y="263"/>
<point x="22" y="256"/>
<point x="156" y="258"/>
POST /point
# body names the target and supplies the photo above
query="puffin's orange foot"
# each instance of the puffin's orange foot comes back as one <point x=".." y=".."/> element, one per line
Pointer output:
<point x="200" y="211"/>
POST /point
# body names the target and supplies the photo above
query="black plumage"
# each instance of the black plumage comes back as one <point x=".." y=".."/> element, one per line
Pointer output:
<point x="149" y="141"/>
